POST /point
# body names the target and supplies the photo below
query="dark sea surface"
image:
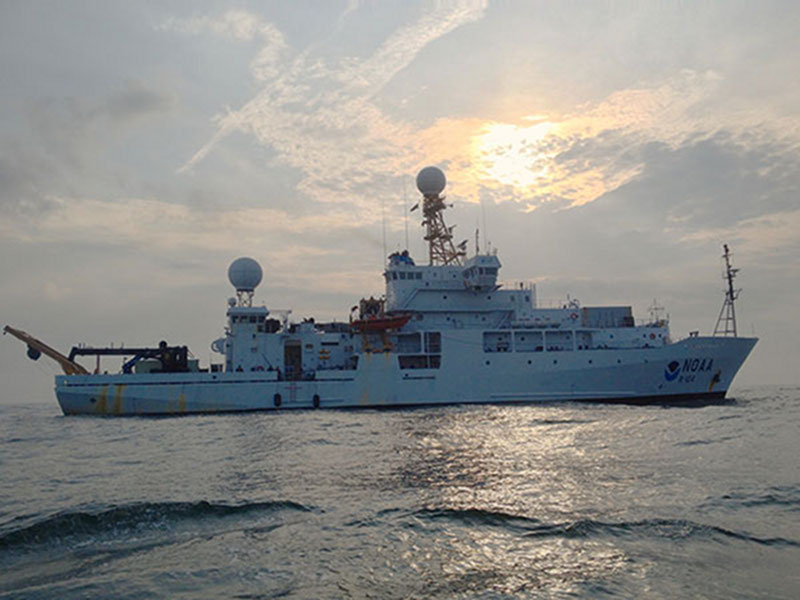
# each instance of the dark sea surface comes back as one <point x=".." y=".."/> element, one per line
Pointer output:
<point x="551" y="501"/>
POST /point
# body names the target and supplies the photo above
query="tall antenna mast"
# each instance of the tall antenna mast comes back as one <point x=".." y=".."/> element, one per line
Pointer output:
<point x="405" y="210"/>
<point x="431" y="182"/>
<point x="383" y="227"/>
<point x="726" y="322"/>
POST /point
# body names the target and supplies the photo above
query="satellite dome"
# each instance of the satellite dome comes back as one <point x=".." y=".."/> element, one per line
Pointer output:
<point x="431" y="181"/>
<point x="244" y="274"/>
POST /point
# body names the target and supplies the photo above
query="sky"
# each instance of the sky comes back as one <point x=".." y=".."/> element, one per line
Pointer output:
<point x="605" y="150"/>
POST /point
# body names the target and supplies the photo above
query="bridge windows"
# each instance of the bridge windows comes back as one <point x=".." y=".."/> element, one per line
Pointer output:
<point x="404" y="275"/>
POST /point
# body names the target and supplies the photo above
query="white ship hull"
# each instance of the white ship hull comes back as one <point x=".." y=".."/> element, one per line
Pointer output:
<point x="696" y="369"/>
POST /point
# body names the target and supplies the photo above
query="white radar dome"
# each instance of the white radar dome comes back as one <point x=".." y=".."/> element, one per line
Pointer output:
<point x="244" y="274"/>
<point x="431" y="181"/>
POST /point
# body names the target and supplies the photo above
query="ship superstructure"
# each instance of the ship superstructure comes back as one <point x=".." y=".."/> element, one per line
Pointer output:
<point x="445" y="332"/>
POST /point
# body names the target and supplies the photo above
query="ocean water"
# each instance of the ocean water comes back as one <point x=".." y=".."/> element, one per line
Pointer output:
<point x="549" y="501"/>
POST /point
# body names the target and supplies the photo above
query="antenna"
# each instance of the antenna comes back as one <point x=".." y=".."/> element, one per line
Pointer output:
<point x="405" y="209"/>
<point x="431" y="182"/>
<point x="244" y="274"/>
<point x="655" y="310"/>
<point x="383" y="226"/>
<point x="483" y="216"/>
<point x="726" y="322"/>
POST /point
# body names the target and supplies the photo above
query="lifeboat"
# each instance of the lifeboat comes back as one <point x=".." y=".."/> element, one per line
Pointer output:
<point x="380" y="323"/>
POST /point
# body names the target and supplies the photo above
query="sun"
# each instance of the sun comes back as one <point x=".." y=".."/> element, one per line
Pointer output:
<point x="514" y="155"/>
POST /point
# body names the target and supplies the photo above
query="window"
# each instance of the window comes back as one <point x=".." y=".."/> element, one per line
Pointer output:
<point x="394" y="276"/>
<point x="528" y="341"/>
<point x="402" y="274"/>
<point x="433" y="342"/>
<point x="409" y="343"/>
<point x="419" y="362"/>
<point x="497" y="341"/>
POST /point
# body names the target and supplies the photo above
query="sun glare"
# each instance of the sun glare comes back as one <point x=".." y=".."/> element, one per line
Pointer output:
<point x="513" y="155"/>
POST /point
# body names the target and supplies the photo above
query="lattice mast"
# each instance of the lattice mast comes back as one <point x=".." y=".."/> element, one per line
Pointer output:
<point x="441" y="250"/>
<point x="726" y="322"/>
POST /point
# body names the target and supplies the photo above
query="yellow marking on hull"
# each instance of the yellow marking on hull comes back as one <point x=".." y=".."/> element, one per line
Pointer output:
<point x="182" y="403"/>
<point x="118" y="398"/>
<point x="714" y="380"/>
<point x="102" y="401"/>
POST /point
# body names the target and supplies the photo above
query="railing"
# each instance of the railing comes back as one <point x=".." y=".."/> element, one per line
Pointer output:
<point x="517" y="284"/>
<point x="557" y="303"/>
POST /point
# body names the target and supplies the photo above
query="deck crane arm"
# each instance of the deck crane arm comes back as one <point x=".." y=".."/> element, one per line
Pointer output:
<point x="36" y="347"/>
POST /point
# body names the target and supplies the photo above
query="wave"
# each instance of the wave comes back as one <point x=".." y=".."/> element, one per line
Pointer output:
<point x="785" y="497"/>
<point x="132" y="517"/>
<point x="705" y="442"/>
<point x="669" y="529"/>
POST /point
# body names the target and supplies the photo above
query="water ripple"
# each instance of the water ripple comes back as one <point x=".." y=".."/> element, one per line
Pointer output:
<point x="137" y="517"/>
<point x="672" y="529"/>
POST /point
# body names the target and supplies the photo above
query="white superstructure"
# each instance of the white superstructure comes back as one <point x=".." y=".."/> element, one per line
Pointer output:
<point x="445" y="332"/>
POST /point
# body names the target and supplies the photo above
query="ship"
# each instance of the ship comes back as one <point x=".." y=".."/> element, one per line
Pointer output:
<point x="445" y="332"/>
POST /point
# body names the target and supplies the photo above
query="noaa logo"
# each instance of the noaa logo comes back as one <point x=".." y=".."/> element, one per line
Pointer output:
<point x="687" y="371"/>
<point x="672" y="371"/>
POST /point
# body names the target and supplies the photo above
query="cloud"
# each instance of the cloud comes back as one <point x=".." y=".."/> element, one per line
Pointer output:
<point x="63" y="145"/>
<point x="320" y="115"/>
<point x="133" y="101"/>
<point x="239" y="25"/>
